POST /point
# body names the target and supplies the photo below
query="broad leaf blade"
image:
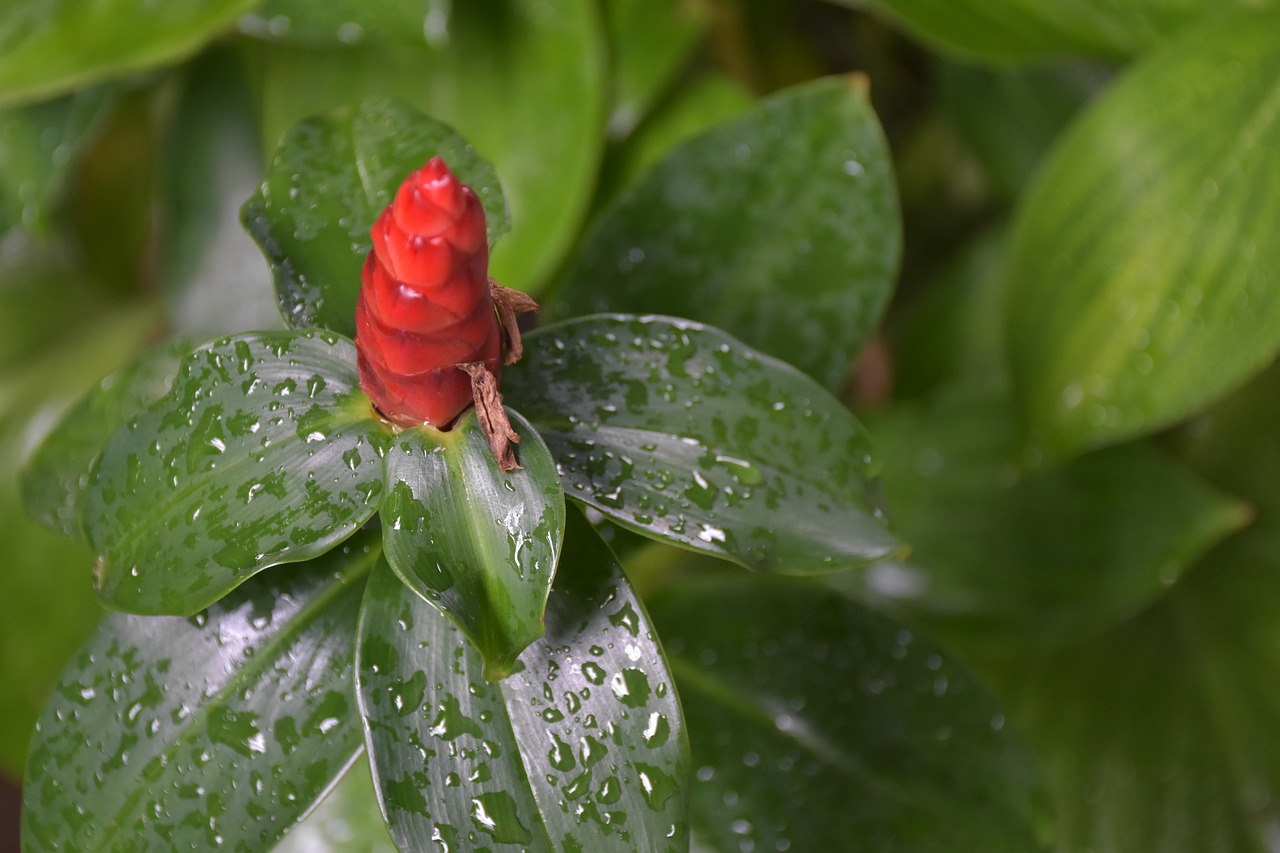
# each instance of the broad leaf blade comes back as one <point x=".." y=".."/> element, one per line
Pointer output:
<point x="347" y="22"/>
<point x="263" y="452"/>
<point x="818" y="725"/>
<point x="781" y="227"/>
<point x="50" y="48"/>
<point x="1000" y="562"/>
<point x="582" y="750"/>
<point x="479" y="544"/>
<point x="648" y="44"/>
<point x="218" y="730"/>
<point x="679" y="432"/>
<point x="1143" y="274"/>
<point x="329" y="181"/>
<point x="54" y="481"/>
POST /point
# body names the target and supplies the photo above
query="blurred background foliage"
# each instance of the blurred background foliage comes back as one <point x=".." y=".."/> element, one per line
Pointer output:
<point x="1070" y="386"/>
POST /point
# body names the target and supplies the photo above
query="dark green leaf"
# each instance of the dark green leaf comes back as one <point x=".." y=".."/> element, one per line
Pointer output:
<point x="347" y="820"/>
<point x="648" y="43"/>
<point x="781" y="227"/>
<point x="523" y="82"/>
<point x="54" y="481"/>
<point x="264" y="452"/>
<point x="479" y="544"/>
<point x="679" y="432"/>
<point x="219" y="730"/>
<point x="1046" y="559"/>
<point x="1023" y="29"/>
<point x="1144" y="276"/>
<point x="329" y="181"/>
<point x="50" y="48"/>
<point x="581" y="750"/>
<point x="818" y="725"/>
<point x="40" y="145"/>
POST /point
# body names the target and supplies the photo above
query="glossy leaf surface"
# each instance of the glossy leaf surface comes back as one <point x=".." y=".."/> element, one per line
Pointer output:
<point x="479" y="544"/>
<point x="679" y="432"/>
<point x="40" y="145"/>
<point x="218" y="730"/>
<point x="781" y="227"/>
<point x="347" y="820"/>
<point x="818" y="725"/>
<point x="522" y="81"/>
<point x="1026" y="29"/>
<point x="55" y="479"/>
<point x="582" y="749"/>
<point x="1143" y="277"/>
<point x="263" y="452"/>
<point x="328" y="182"/>
<point x="50" y="48"/>
<point x="1043" y="559"/>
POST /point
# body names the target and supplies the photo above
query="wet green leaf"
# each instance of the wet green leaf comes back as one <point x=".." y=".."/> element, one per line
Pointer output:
<point x="328" y="182"/>
<point x="40" y="145"/>
<point x="679" y="432"/>
<point x="347" y="820"/>
<point x="1001" y="560"/>
<point x="781" y="227"/>
<point x="581" y="750"/>
<point x="1025" y="29"/>
<point x="523" y="81"/>
<point x="479" y="544"/>
<point x="348" y="22"/>
<point x="816" y="724"/>
<point x="648" y="43"/>
<point x="50" y="48"/>
<point x="55" y="479"/>
<point x="1143" y="273"/>
<point x="218" y="730"/>
<point x="263" y="452"/>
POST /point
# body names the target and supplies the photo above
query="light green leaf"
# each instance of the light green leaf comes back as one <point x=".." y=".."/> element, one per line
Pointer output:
<point x="347" y="22"/>
<point x="781" y="227"/>
<point x="818" y="725"/>
<point x="581" y="750"/>
<point x="219" y="730"/>
<point x="55" y="479"/>
<point x="264" y="452"/>
<point x="40" y="145"/>
<point x="523" y="81"/>
<point x="1027" y="29"/>
<point x="681" y="433"/>
<point x="1045" y="559"/>
<point x="479" y="544"/>
<point x="1144" y="279"/>
<point x="648" y="43"/>
<point x="47" y="48"/>
<point x="329" y="181"/>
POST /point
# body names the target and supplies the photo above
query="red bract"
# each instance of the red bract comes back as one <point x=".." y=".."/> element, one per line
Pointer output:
<point x="425" y="306"/>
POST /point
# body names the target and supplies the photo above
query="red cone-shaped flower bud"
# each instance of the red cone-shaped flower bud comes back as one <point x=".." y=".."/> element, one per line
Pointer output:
<point x="425" y="304"/>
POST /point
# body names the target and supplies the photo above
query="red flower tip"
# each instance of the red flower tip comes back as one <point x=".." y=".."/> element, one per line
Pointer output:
<point x="425" y="305"/>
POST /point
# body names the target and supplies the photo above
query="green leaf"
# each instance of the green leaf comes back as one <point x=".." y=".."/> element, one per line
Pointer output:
<point x="348" y="22"/>
<point x="648" y="44"/>
<point x="50" y="48"/>
<point x="1010" y="117"/>
<point x="1143" y="273"/>
<point x="781" y="226"/>
<point x="479" y="544"/>
<point x="583" y="749"/>
<point x="328" y="182"/>
<point x="522" y="81"/>
<point x="40" y="145"/>
<point x="347" y="820"/>
<point x="55" y="479"/>
<point x="1043" y="560"/>
<point x="681" y="433"/>
<point x="221" y="729"/>
<point x="1026" y="29"/>
<point x="818" y="725"/>
<point x="264" y="452"/>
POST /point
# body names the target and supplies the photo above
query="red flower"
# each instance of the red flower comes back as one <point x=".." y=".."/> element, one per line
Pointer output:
<point x="426" y="307"/>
